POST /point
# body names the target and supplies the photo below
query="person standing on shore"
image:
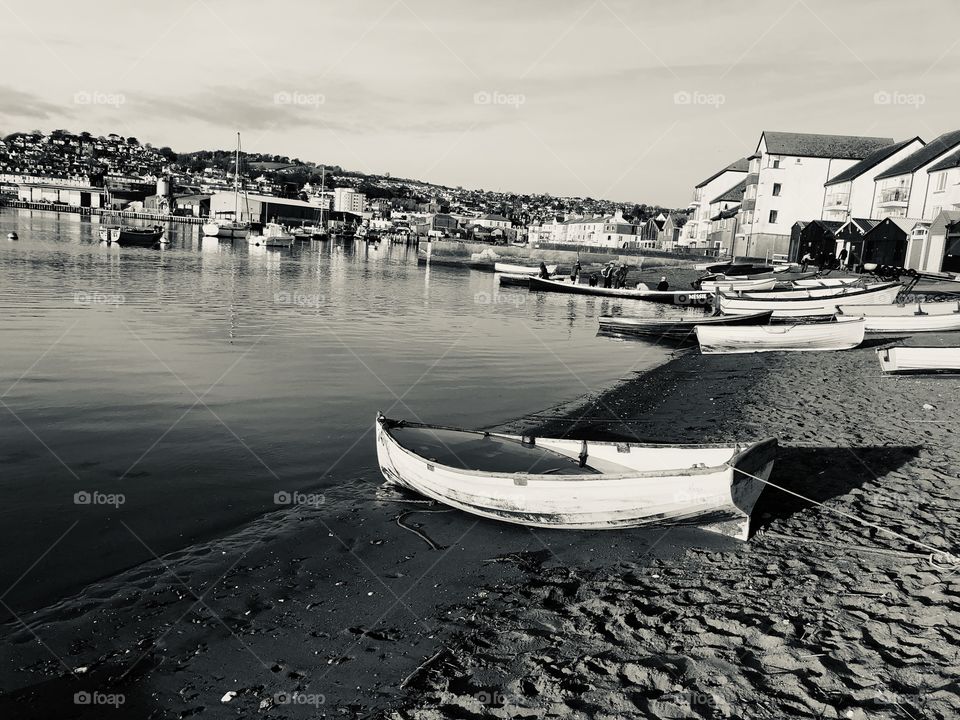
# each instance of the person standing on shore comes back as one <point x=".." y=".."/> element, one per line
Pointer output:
<point x="622" y="276"/>
<point x="805" y="261"/>
<point x="663" y="285"/>
<point x="843" y="259"/>
<point x="607" y="274"/>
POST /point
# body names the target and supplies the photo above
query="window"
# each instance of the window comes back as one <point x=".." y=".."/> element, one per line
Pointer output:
<point x="773" y="216"/>
<point x="942" y="181"/>
<point x="936" y="211"/>
<point x="774" y="162"/>
<point x="776" y="189"/>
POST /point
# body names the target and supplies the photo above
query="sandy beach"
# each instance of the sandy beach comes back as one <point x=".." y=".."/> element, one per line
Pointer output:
<point x="407" y="610"/>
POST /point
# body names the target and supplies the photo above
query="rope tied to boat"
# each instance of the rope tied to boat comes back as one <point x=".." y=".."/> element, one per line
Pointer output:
<point x="938" y="556"/>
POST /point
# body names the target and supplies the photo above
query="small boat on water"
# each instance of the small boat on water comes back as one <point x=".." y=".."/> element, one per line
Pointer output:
<point x="521" y="269"/>
<point x="734" y="284"/>
<point x="560" y="483"/>
<point x="274" y="235"/>
<point x="808" y="302"/>
<point x="230" y="228"/>
<point x="132" y="235"/>
<point x="922" y="317"/>
<point x="902" y="360"/>
<point x="672" y="297"/>
<point x="675" y="329"/>
<point x="844" y="334"/>
<point x="731" y="270"/>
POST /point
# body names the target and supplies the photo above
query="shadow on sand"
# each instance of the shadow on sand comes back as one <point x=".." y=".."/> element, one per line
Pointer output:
<point x="823" y="473"/>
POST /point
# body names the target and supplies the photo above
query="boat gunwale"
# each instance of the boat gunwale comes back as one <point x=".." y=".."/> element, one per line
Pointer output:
<point x="823" y="298"/>
<point x="385" y="425"/>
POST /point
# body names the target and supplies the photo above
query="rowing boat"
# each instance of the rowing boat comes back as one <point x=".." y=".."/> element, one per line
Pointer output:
<point x="735" y="284"/>
<point x="799" y="293"/>
<point x="802" y="305"/>
<point x="675" y="329"/>
<point x="844" y="334"/>
<point x="825" y="282"/>
<point x="521" y="269"/>
<point x="922" y="317"/>
<point x="560" y="483"/>
<point x="919" y="360"/>
<point x="673" y="297"/>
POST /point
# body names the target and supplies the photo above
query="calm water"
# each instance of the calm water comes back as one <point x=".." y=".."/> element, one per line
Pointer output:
<point x="201" y="379"/>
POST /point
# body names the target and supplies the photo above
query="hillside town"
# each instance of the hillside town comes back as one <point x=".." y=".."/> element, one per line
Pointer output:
<point x="872" y="199"/>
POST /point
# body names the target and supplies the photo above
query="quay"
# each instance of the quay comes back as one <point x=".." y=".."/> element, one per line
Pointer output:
<point x="91" y="211"/>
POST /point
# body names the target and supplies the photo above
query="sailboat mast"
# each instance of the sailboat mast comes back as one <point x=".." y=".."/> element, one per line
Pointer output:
<point x="323" y="196"/>
<point x="236" y="183"/>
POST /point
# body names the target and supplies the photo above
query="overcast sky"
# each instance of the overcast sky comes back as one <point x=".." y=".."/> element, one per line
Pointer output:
<point x="633" y="101"/>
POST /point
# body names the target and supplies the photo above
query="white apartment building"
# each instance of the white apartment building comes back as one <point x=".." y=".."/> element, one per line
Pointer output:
<point x="494" y="222"/>
<point x="943" y="187"/>
<point x="612" y="231"/>
<point x="785" y="182"/>
<point x="903" y="189"/>
<point x="696" y="231"/>
<point x="849" y="194"/>
<point x="348" y="200"/>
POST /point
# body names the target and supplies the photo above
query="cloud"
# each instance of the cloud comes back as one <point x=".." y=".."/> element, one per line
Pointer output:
<point x="17" y="104"/>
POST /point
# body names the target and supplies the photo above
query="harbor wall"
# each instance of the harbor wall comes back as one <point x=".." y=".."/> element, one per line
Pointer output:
<point x="451" y="251"/>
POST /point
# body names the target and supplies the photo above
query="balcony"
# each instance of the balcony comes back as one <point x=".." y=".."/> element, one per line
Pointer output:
<point x="894" y="197"/>
<point x="837" y="201"/>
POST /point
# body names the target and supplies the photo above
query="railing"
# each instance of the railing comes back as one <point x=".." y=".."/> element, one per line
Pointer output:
<point x="837" y="201"/>
<point x="129" y="214"/>
<point x="894" y="195"/>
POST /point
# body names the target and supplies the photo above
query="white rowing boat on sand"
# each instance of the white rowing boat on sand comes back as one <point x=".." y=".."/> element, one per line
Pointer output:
<point x="826" y="282"/>
<point x="577" y="485"/>
<point x="735" y="284"/>
<point x="521" y="269"/>
<point x="922" y="317"/>
<point x="802" y="305"/>
<point x="919" y="360"/>
<point x="844" y="334"/>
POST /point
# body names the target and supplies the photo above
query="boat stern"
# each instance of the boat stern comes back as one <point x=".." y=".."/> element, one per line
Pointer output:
<point x="749" y="470"/>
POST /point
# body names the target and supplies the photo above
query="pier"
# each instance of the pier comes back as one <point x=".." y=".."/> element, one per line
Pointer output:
<point x="91" y="211"/>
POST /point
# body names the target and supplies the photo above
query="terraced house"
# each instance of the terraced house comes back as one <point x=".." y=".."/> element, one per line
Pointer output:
<point x="785" y="183"/>
<point x="696" y="231"/>
<point x="904" y="189"/>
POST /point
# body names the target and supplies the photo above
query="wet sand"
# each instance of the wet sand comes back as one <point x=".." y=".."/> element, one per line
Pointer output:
<point x="816" y="616"/>
<point x="343" y="611"/>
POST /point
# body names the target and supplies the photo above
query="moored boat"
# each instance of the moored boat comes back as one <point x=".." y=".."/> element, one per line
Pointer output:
<point x="921" y="317"/>
<point x="274" y="235"/>
<point x="673" y="297"/>
<point x="826" y="282"/>
<point x="902" y="360"/>
<point x="808" y="303"/>
<point x="844" y="334"/>
<point x="132" y="235"/>
<point x="521" y="269"/>
<point x="230" y="228"/>
<point x="675" y="329"/>
<point x="559" y="483"/>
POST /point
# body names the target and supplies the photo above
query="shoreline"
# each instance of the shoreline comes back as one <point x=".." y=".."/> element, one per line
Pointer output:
<point x="357" y="610"/>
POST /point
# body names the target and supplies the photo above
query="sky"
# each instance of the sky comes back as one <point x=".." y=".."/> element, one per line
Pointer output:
<point x="630" y="101"/>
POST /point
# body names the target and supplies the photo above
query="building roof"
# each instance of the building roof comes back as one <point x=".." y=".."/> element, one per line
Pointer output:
<point x="740" y="165"/>
<point x="945" y="219"/>
<point x="916" y="160"/>
<point x="492" y="216"/>
<point x="869" y="162"/>
<point x="272" y="199"/>
<point x="905" y="224"/>
<point x="734" y="194"/>
<point x="728" y="213"/>
<point x="844" y="147"/>
<point x="950" y="161"/>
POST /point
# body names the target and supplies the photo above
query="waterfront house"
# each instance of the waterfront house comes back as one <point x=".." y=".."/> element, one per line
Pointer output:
<point x="850" y="192"/>
<point x="943" y="186"/>
<point x="723" y="211"/>
<point x="785" y="183"/>
<point x="698" y="228"/>
<point x="492" y="221"/>
<point x="901" y="190"/>
<point x="936" y="248"/>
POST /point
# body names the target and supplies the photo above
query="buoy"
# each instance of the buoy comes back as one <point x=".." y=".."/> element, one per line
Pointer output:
<point x="12" y="236"/>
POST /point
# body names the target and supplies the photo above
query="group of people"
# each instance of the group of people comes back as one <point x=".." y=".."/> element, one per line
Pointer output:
<point x="825" y="260"/>
<point x="613" y="275"/>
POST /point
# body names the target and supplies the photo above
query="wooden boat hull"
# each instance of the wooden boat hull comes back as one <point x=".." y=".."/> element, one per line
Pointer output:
<point x="672" y="297"/>
<point x="792" y="306"/>
<point x="228" y="231"/>
<point x="813" y="337"/>
<point x="913" y="318"/>
<point x="919" y="360"/>
<point x="758" y="285"/>
<point x="521" y="269"/>
<point x="622" y="485"/>
<point x="136" y="237"/>
<point x="678" y="330"/>
<point x="825" y="282"/>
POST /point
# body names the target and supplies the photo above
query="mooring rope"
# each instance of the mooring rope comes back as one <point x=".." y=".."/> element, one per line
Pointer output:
<point x="863" y="521"/>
